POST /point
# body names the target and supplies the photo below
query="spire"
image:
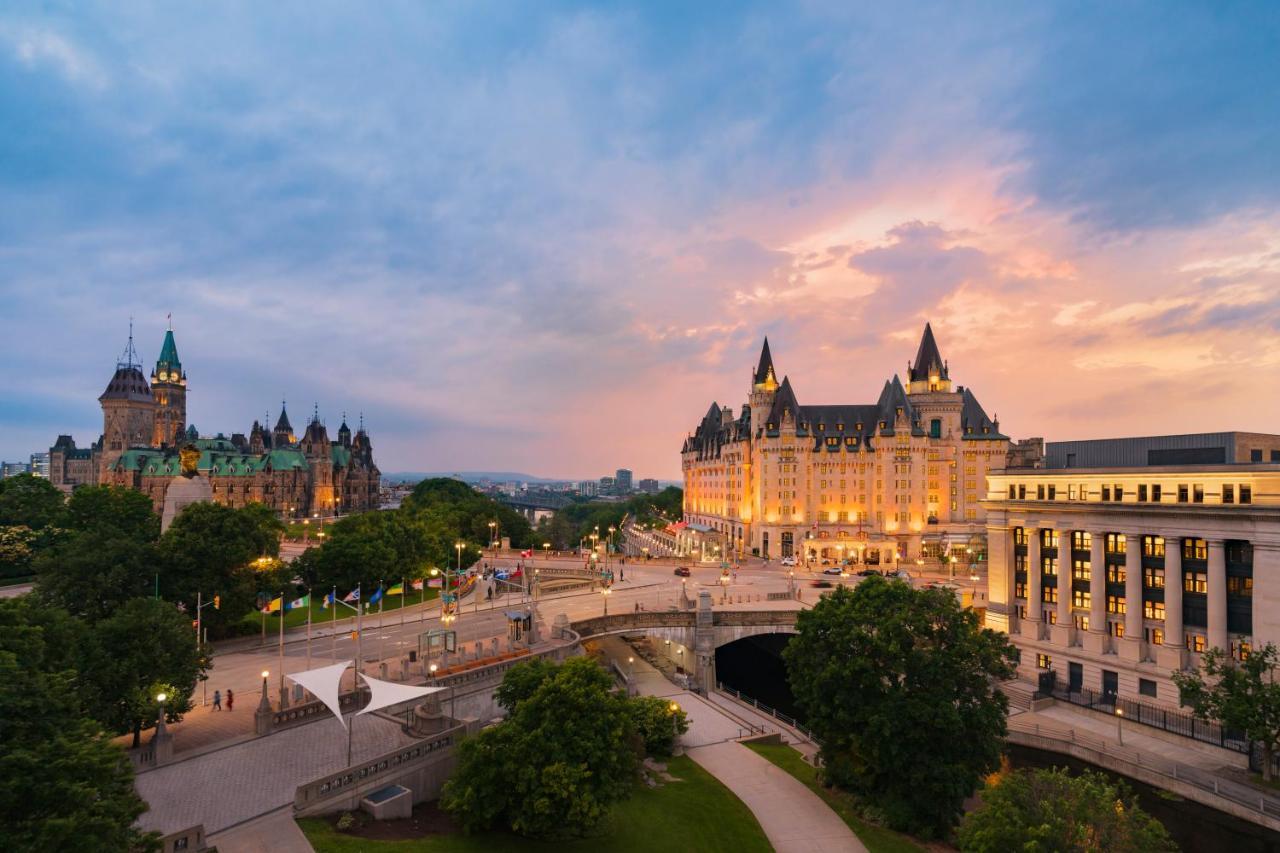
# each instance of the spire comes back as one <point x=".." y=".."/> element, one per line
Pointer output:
<point x="315" y="413"/>
<point x="168" y="366"/>
<point x="928" y="359"/>
<point x="129" y="358"/>
<point x="283" y="425"/>
<point x="764" y="374"/>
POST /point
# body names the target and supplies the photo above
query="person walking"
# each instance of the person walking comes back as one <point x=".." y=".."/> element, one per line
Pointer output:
<point x="231" y="698"/>
<point x="217" y="700"/>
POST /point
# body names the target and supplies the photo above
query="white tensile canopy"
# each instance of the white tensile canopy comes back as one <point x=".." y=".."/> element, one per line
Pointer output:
<point x="323" y="683"/>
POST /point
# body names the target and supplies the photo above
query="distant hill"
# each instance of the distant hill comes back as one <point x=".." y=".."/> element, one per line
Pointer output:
<point x="474" y="476"/>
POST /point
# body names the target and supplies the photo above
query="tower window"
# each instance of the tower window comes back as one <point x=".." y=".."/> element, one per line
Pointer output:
<point x="935" y="428"/>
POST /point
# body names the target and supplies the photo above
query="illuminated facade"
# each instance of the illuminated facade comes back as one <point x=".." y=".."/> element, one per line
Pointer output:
<point x="1111" y="578"/>
<point x="145" y="426"/>
<point x="901" y="478"/>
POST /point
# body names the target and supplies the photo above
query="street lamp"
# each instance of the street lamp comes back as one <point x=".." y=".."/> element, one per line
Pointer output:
<point x="1119" y="721"/>
<point x="546" y="550"/>
<point x="493" y="536"/>
<point x="605" y="592"/>
<point x="265" y="704"/>
<point x="432" y="670"/>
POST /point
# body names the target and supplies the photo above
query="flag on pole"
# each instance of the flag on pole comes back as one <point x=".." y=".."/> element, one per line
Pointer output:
<point x="417" y="585"/>
<point x="273" y="605"/>
<point x="354" y="595"/>
<point x="328" y="601"/>
<point x="376" y="597"/>
<point x="396" y="589"/>
<point x="305" y="601"/>
<point x="436" y="583"/>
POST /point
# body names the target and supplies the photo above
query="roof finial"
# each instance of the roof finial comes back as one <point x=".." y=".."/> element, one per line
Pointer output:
<point x="169" y="316"/>
<point x="315" y="413"/>
<point x="362" y="421"/>
<point x="130" y="356"/>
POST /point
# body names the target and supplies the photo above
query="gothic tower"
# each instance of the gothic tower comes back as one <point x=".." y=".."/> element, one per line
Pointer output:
<point x="128" y="409"/>
<point x="764" y="385"/>
<point x="169" y="388"/>
<point x="317" y="448"/>
<point x="282" y="435"/>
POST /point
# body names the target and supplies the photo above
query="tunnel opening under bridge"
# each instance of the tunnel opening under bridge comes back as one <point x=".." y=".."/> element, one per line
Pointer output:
<point x="754" y="667"/>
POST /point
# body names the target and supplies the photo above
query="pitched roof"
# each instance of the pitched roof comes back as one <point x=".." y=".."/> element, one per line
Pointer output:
<point x="928" y="359"/>
<point x="169" y="353"/>
<point x="283" y="425"/>
<point x="128" y="383"/>
<point x="784" y="401"/>
<point x="974" y="423"/>
<point x="764" y="370"/>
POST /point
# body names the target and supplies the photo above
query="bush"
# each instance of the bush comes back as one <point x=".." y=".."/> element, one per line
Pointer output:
<point x="658" y="722"/>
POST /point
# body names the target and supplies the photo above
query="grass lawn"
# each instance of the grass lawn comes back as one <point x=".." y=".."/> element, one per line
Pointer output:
<point x="877" y="838"/>
<point x="297" y="618"/>
<point x="695" y="813"/>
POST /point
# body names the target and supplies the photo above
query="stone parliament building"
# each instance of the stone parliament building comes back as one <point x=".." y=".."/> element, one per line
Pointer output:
<point x="902" y="478"/>
<point x="144" y="428"/>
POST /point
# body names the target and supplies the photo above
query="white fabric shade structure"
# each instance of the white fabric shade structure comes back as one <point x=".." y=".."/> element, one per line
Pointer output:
<point x="323" y="683"/>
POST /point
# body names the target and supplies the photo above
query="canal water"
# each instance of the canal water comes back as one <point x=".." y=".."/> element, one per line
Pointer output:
<point x="754" y="666"/>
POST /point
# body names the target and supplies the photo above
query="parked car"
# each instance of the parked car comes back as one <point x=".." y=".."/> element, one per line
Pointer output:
<point x="683" y="571"/>
<point x="788" y="561"/>
<point x="832" y="571"/>
<point x="821" y="583"/>
<point x="902" y="573"/>
<point x="866" y="573"/>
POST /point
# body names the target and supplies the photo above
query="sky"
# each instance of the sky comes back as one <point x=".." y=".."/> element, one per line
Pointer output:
<point x="545" y="236"/>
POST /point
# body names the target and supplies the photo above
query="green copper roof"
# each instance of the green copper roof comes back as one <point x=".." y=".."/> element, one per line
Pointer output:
<point x="169" y="354"/>
<point x="340" y="455"/>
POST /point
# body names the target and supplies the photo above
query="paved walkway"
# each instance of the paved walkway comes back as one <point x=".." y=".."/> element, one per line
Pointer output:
<point x="794" y="818"/>
<point x="276" y="832"/>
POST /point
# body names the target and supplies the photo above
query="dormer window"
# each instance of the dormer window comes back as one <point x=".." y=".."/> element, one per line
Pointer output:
<point x="899" y="411"/>
<point x="822" y="427"/>
<point x="882" y="425"/>
<point x="840" y="427"/>
<point x="858" y="426"/>
<point x="986" y="430"/>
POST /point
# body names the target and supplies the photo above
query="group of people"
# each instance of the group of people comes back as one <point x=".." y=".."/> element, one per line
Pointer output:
<point x="217" y="700"/>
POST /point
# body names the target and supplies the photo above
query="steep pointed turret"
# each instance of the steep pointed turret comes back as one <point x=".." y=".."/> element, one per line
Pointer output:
<point x="344" y="432"/>
<point x="282" y="435"/>
<point x="929" y="371"/>
<point x="128" y="408"/>
<point x="764" y="377"/>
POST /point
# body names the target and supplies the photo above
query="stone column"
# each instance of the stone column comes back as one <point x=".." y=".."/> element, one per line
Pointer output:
<point x="1266" y="591"/>
<point x="704" y="645"/>
<point x="1096" y="640"/>
<point x="1173" y="655"/>
<point x="1133" y="648"/>
<point x="1217" y="598"/>
<point x="1035" y="590"/>
<point x="1063" y="632"/>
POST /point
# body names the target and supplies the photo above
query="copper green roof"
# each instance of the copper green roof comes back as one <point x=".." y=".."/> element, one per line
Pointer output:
<point x="169" y="355"/>
<point x="340" y="455"/>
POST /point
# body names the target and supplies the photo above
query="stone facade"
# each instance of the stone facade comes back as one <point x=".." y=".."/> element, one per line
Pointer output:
<point x="145" y="426"/>
<point x="1163" y="563"/>
<point x="901" y="478"/>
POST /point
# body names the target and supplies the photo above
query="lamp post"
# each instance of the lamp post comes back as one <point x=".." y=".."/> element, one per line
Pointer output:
<point x="160" y="700"/>
<point x="265" y="704"/>
<point x="605" y="592"/>
<point x="546" y="550"/>
<point x="493" y="537"/>
<point x="1119" y="726"/>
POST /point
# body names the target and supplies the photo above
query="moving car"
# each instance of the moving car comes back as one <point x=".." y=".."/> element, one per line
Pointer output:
<point x="832" y="571"/>
<point x="788" y="561"/>
<point x="866" y="573"/>
<point x="821" y="583"/>
<point x="683" y="571"/>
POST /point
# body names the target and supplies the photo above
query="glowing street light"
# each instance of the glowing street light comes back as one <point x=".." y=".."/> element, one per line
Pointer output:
<point x="605" y="592"/>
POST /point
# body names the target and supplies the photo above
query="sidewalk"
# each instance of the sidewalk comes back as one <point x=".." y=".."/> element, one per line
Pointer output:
<point x="794" y="818"/>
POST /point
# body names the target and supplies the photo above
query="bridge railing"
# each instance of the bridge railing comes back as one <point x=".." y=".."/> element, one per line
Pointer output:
<point x="789" y="721"/>
<point x="615" y="622"/>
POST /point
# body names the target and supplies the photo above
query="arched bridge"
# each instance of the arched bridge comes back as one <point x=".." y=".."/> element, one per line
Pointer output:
<point x="530" y="504"/>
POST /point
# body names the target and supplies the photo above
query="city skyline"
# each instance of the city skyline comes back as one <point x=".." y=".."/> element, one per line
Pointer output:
<point x="505" y="235"/>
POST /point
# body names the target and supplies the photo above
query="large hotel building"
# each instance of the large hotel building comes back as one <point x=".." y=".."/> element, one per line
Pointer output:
<point x="902" y="478"/>
<point x="1119" y="561"/>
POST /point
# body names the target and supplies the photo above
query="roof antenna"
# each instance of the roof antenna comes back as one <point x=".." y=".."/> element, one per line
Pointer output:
<point x="362" y="421"/>
<point x="315" y="413"/>
<point x="130" y="356"/>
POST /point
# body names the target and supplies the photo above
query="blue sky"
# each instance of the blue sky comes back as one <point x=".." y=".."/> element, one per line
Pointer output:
<point x="545" y="236"/>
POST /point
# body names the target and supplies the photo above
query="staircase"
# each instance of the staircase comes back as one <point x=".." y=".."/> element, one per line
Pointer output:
<point x="1020" y="694"/>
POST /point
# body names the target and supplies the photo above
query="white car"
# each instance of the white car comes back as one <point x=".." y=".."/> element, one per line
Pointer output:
<point x="788" y="561"/>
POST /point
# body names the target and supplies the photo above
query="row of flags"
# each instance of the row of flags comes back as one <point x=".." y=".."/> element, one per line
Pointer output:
<point x="278" y="603"/>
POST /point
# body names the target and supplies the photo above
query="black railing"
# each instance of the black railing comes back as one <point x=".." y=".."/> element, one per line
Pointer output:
<point x="1175" y="722"/>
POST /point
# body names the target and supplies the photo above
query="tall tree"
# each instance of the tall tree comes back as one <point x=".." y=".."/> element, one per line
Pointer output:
<point x="94" y="573"/>
<point x="897" y="685"/>
<point x="556" y="765"/>
<point x="1243" y="696"/>
<point x="30" y="501"/>
<point x="1050" y="810"/>
<point x="115" y="510"/>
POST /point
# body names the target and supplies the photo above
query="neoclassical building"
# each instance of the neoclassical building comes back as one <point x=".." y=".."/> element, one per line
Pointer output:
<point x="144" y="426"/>
<point x="1112" y="576"/>
<point x="898" y="479"/>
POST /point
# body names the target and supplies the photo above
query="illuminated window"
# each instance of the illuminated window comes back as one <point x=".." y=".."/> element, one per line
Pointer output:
<point x="1115" y="543"/>
<point x="1116" y="574"/>
<point x="1115" y="604"/>
<point x="1153" y="546"/>
<point x="1080" y="598"/>
<point x="1153" y="578"/>
<point x="1153" y="610"/>
<point x="1043" y="661"/>
<point x="1195" y="642"/>
<point x="1239" y="586"/>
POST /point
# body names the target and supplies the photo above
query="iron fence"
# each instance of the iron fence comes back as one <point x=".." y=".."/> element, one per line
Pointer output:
<point x="1175" y="722"/>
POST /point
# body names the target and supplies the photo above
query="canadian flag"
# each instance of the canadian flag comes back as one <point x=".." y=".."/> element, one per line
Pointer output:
<point x="528" y="553"/>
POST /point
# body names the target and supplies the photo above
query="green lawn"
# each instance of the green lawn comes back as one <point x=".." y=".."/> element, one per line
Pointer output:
<point x="877" y="838"/>
<point x="695" y="813"/>
<point x="297" y="618"/>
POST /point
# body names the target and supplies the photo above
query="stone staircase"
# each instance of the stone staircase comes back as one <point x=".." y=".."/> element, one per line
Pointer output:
<point x="1020" y="694"/>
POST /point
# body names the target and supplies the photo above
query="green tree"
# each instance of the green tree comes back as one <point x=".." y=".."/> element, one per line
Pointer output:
<point x="522" y="681"/>
<point x="658" y="722"/>
<point x="115" y="510"/>
<point x="211" y="549"/>
<point x="30" y="501"/>
<point x="556" y="765"/>
<point x="1051" y="811"/>
<point x="63" y="785"/>
<point x="19" y="544"/>
<point x="145" y="647"/>
<point x="897" y="685"/>
<point x="92" y="574"/>
<point x="1243" y="696"/>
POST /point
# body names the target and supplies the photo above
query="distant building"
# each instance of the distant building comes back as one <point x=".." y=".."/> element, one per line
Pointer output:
<point x="1119" y="562"/>
<point x="145" y="426"/>
<point x="40" y="464"/>
<point x="13" y="469"/>
<point x="589" y="488"/>
<point x="608" y="486"/>
<point x="649" y="486"/>
<point x="622" y="481"/>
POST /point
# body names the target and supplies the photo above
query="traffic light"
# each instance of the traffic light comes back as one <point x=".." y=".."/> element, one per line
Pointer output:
<point x="355" y="635"/>
<point x="194" y="624"/>
<point x="217" y="602"/>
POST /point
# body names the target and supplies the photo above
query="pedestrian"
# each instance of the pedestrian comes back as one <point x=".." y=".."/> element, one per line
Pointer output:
<point x="217" y="700"/>
<point x="231" y="698"/>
